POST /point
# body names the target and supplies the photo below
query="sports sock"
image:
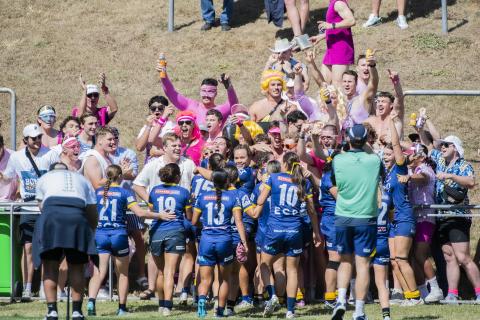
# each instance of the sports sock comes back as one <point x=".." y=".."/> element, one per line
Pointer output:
<point x="385" y="312"/>
<point x="433" y="282"/>
<point x="51" y="306"/>
<point x="291" y="304"/>
<point x="342" y="295"/>
<point x="122" y="306"/>
<point x="168" y="304"/>
<point x="161" y="303"/>
<point x="220" y="311"/>
<point x="270" y="290"/>
<point x="359" y="308"/>
<point x="77" y="306"/>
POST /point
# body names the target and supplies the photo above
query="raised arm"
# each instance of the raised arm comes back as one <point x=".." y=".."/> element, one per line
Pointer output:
<point x="232" y="99"/>
<point x="372" y="86"/>
<point x="313" y="69"/>
<point x="111" y="102"/>
<point x="142" y="139"/>
<point x="397" y="149"/>
<point x="301" y="146"/>
<point x="82" y="105"/>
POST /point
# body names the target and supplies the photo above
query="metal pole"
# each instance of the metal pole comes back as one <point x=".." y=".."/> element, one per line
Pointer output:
<point x="444" y="17"/>
<point x="170" y="15"/>
<point x="13" y="116"/>
<point x="12" y="258"/>
<point x="441" y="93"/>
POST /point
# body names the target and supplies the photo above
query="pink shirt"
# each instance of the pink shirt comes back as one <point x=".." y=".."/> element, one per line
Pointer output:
<point x="194" y="152"/>
<point x="423" y="193"/>
<point x="183" y="103"/>
<point x="102" y="115"/>
<point x="8" y="189"/>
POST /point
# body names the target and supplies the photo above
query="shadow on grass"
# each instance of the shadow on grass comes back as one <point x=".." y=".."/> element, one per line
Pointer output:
<point x="246" y="11"/>
<point x="420" y="318"/>
<point x="418" y="9"/>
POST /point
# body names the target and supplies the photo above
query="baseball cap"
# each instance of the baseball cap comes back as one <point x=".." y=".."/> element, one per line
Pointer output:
<point x="290" y="83"/>
<point x="91" y="88"/>
<point x="31" y="130"/>
<point x="456" y="142"/>
<point x="357" y="133"/>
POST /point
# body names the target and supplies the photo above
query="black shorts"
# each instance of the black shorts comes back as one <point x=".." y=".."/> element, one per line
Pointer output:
<point x="453" y="230"/>
<point x="73" y="256"/>
<point x="26" y="233"/>
<point x="170" y="241"/>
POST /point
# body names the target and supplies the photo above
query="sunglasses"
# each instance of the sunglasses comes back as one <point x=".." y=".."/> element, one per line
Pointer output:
<point x="446" y="144"/>
<point x="93" y="95"/>
<point x="39" y="137"/>
<point x="156" y="108"/>
<point x="290" y="146"/>
<point x="187" y="122"/>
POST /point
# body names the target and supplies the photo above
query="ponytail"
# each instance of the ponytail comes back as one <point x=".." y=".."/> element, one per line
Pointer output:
<point x="292" y="163"/>
<point x="114" y="174"/>
<point x="218" y="193"/>
<point x="220" y="181"/>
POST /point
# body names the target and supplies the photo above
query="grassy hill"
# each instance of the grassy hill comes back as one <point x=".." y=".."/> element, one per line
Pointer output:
<point x="45" y="45"/>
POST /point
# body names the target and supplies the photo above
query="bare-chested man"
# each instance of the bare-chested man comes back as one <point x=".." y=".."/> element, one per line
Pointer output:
<point x="385" y="103"/>
<point x="269" y="108"/>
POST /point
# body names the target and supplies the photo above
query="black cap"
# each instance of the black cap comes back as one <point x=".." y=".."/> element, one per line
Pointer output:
<point x="357" y="133"/>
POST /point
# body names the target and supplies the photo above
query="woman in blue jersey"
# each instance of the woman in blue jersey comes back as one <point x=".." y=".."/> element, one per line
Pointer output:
<point x="111" y="235"/>
<point x="167" y="236"/>
<point x="328" y="196"/>
<point x="216" y="209"/>
<point x="403" y="222"/>
<point x="381" y="260"/>
<point x="240" y="272"/>
<point x="291" y="195"/>
<point x="199" y="185"/>
<point x="242" y="156"/>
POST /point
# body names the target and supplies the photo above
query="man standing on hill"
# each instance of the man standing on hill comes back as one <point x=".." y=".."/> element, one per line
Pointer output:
<point x="208" y="14"/>
<point x="356" y="175"/>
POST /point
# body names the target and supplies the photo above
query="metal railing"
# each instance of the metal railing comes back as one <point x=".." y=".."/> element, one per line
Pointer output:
<point x="13" y="116"/>
<point x="473" y="93"/>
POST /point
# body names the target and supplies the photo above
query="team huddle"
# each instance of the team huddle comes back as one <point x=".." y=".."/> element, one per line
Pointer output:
<point x="242" y="202"/>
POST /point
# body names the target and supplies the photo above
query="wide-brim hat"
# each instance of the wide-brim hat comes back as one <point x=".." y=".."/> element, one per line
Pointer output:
<point x="281" y="45"/>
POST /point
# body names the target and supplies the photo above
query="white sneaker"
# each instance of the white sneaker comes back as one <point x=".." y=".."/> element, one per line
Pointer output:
<point x="41" y="292"/>
<point x="451" y="299"/>
<point x="160" y="310"/>
<point x="103" y="293"/>
<point x="228" y="312"/>
<point x="435" y="295"/>
<point x="183" y="298"/>
<point x="244" y="305"/>
<point x="373" y="20"/>
<point x="26" y="295"/>
<point x="77" y="315"/>
<point x="412" y="302"/>
<point x="270" y="306"/>
<point x="52" y="315"/>
<point x="402" y="22"/>
<point x="290" y="315"/>
<point x="166" y="312"/>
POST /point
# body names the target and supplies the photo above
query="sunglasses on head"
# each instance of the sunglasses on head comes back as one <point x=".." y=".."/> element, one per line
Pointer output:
<point x="93" y="95"/>
<point x="187" y="122"/>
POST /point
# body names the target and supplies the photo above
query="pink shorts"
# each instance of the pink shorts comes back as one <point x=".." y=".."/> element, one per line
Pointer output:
<point x="424" y="232"/>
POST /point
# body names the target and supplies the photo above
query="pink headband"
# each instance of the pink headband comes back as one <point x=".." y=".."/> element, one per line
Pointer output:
<point x="185" y="118"/>
<point x="274" y="130"/>
<point x="69" y="142"/>
<point x="208" y="90"/>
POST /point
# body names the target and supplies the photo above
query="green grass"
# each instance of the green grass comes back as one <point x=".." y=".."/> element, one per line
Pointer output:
<point x="148" y="310"/>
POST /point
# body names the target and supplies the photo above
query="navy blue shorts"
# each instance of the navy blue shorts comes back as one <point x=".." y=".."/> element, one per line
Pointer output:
<point x="236" y="236"/>
<point x="112" y="241"/>
<point x="288" y="242"/>
<point x="169" y="241"/>
<point x="327" y="228"/>
<point x="213" y="251"/>
<point x="360" y="240"/>
<point x="382" y="252"/>
<point x="190" y="231"/>
<point x="404" y="228"/>
<point x="259" y="240"/>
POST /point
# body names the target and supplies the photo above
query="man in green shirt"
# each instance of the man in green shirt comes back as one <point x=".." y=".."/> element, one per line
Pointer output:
<point x="356" y="175"/>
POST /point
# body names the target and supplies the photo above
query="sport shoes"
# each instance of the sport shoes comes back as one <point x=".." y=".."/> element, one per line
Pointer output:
<point x="226" y="27"/>
<point x="435" y="295"/>
<point x="229" y="312"/>
<point x="412" y="302"/>
<point x="122" y="312"/>
<point x="77" y="315"/>
<point x="142" y="283"/>
<point x="330" y="305"/>
<point x="245" y="305"/>
<point x="396" y="297"/>
<point x="183" y="298"/>
<point x="26" y="295"/>
<point x="166" y="312"/>
<point x="91" y="309"/>
<point x="373" y="20"/>
<point x="386" y="318"/>
<point x="339" y="311"/>
<point x="52" y="315"/>
<point x="290" y="315"/>
<point x="201" y="308"/>
<point x="103" y="293"/>
<point x="207" y="26"/>
<point x="270" y="306"/>
<point x="402" y="22"/>
<point x="451" y="299"/>
<point x="362" y="317"/>
<point x="300" y="304"/>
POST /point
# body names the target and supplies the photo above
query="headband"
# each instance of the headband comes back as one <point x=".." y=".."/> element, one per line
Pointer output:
<point x="185" y="118"/>
<point x="69" y="142"/>
<point x="271" y="75"/>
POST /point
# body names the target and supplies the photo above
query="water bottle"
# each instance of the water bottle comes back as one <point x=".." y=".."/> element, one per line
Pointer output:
<point x="163" y="63"/>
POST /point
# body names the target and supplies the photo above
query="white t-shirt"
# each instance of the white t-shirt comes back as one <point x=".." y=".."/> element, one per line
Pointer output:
<point x="65" y="183"/>
<point x="167" y="127"/>
<point x="19" y="166"/>
<point x="149" y="178"/>
<point x="102" y="161"/>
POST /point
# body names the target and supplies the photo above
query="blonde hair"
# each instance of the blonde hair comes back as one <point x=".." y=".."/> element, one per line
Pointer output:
<point x="252" y="127"/>
<point x="269" y="76"/>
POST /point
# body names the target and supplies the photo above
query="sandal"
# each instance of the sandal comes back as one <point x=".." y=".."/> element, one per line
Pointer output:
<point x="147" y="295"/>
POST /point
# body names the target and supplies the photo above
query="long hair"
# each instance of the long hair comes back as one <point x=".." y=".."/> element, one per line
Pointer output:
<point x="232" y="172"/>
<point x="292" y="162"/>
<point x="113" y="174"/>
<point x="220" y="181"/>
<point x="216" y="161"/>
